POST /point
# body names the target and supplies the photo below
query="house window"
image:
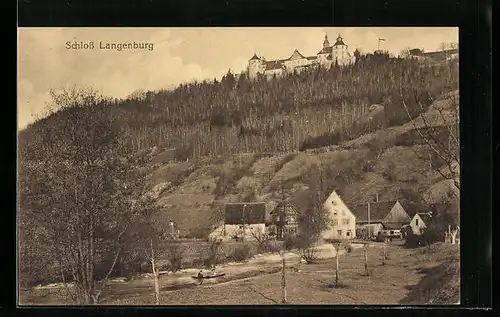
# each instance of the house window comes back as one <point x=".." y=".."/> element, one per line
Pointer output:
<point x="339" y="233"/>
<point x="345" y="221"/>
<point x="416" y="221"/>
<point x="348" y="233"/>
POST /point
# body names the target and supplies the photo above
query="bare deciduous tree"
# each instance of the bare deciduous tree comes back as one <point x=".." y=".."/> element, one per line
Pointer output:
<point x="446" y="149"/>
<point x="80" y="190"/>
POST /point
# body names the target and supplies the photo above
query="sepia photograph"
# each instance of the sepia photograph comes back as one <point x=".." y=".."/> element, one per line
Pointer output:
<point x="238" y="166"/>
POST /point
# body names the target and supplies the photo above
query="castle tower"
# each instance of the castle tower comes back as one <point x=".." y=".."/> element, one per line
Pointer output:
<point x="326" y="43"/>
<point x="340" y="53"/>
<point x="255" y="66"/>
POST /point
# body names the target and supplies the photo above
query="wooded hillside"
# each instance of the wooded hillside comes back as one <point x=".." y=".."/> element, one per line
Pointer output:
<point x="285" y="114"/>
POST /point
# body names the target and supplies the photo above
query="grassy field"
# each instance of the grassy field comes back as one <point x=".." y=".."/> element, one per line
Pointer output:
<point x="428" y="275"/>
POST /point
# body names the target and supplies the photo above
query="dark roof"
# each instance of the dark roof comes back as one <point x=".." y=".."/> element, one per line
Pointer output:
<point x="284" y="204"/>
<point x="393" y="225"/>
<point x="274" y="64"/>
<point x="339" y="41"/>
<point x="378" y="211"/>
<point x="254" y="57"/>
<point x="425" y="216"/>
<point x="311" y="57"/>
<point x="253" y="212"/>
<point x="412" y="208"/>
<point x="415" y="51"/>
<point x="440" y="54"/>
<point x="326" y="43"/>
<point x="296" y="53"/>
<point x="326" y="50"/>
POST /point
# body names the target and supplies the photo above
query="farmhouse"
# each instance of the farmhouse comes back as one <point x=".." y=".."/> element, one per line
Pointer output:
<point x="420" y="221"/>
<point x="284" y="220"/>
<point x="242" y="221"/>
<point x="373" y="217"/>
<point x="343" y="221"/>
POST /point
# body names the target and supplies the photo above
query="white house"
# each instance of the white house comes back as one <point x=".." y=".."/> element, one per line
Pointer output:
<point x="420" y="221"/>
<point x="343" y="221"/>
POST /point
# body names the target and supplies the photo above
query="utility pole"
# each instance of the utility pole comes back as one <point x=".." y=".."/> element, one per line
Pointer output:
<point x="224" y="225"/>
<point x="283" y="278"/>
<point x="369" y="228"/>
<point x="244" y="232"/>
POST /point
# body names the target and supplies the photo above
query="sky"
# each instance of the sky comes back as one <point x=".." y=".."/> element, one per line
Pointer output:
<point x="178" y="55"/>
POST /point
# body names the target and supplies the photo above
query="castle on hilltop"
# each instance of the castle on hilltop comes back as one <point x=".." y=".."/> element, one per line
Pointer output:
<point x="328" y="56"/>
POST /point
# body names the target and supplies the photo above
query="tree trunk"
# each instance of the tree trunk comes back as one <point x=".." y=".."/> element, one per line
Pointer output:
<point x="366" y="258"/>
<point x="384" y="254"/>
<point x="337" y="266"/>
<point x="454" y="236"/>
<point x="283" y="281"/>
<point x="155" y="276"/>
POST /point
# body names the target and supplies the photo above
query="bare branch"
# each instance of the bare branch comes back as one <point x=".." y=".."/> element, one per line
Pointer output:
<point x="419" y="132"/>
<point x="103" y="281"/>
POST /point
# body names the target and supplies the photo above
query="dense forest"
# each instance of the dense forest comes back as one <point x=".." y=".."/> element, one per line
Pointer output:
<point x="299" y="111"/>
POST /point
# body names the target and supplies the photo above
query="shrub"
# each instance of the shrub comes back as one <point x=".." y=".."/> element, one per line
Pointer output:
<point x="286" y="159"/>
<point x="175" y="254"/>
<point x="241" y="253"/>
<point x="348" y="248"/>
<point x="309" y="254"/>
<point x="272" y="246"/>
<point x="198" y="233"/>
<point x="328" y="138"/>
<point x="213" y="256"/>
<point x="291" y="242"/>
<point x="431" y="235"/>
<point x="412" y="240"/>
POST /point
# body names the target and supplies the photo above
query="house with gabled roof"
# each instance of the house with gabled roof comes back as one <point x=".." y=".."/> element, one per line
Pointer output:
<point x="373" y="217"/>
<point x="284" y="220"/>
<point x="420" y="221"/>
<point x="242" y="220"/>
<point x="342" y="220"/>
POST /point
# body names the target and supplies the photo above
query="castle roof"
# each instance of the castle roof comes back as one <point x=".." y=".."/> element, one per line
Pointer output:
<point x="296" y="55"/>
<point x="326" y="43"/>
<point x="277" y="64"/>
<point x="254" y="57"/>
<point x="326" y="50"/>
<point x="340" y="41"/>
